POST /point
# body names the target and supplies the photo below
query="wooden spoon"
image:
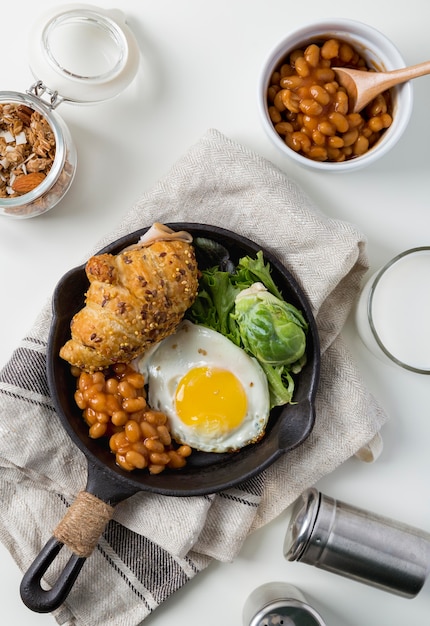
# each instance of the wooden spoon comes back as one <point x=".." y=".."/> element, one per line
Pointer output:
<point x="362" y="86"/>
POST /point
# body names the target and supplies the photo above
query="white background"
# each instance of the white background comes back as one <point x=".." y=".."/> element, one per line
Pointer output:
<point x="200" y="67"/>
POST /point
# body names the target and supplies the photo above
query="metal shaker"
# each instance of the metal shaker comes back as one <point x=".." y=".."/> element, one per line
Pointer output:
<point x="357" y="544"/>
<point x="277" y="603"/>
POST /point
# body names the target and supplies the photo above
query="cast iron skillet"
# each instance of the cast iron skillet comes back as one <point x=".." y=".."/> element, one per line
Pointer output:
<point x="205" y="473"/>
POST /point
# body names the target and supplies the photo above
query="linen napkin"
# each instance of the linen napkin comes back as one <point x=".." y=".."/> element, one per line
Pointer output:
<point x="155" y="544"/>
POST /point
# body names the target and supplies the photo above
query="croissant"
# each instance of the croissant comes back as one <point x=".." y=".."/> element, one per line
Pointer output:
<point x="135" y="299"/>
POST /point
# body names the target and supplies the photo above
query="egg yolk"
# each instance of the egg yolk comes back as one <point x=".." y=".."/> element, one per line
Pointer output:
<point x="211" y="400"/>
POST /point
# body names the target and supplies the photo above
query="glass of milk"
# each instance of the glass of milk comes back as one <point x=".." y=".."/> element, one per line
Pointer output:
<point x="393" y="311"/>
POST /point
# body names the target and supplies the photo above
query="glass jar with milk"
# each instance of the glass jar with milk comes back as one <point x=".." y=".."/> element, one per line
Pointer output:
<point x="393" y="311"/>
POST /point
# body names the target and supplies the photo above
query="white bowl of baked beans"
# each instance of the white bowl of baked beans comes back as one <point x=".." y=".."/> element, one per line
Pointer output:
<point x="306" y="113"/>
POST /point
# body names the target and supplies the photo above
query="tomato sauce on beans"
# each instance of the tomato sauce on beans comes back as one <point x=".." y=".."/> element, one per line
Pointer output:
<point x="309" y="109"/>
<point x="114" y="405"/>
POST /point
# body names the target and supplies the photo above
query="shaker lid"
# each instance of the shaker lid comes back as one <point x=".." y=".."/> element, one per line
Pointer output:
<point x="84" y="53"/>
<point x="302" y="521"/>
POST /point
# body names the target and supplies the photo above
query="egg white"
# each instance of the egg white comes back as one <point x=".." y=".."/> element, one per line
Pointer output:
<point x="195" y="346"/>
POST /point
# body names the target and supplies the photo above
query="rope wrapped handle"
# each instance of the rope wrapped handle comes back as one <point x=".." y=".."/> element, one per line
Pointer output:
<point x="79" y="530"/>
<point x="84" y="522"/>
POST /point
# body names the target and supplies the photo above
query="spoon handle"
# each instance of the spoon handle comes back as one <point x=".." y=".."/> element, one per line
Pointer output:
<point x="396" y="77"/>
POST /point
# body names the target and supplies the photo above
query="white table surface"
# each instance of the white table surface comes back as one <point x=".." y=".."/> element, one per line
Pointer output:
<point x="200" y="67"/>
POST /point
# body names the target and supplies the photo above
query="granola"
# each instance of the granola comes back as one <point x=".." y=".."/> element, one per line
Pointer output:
<point x="27" y="146"/>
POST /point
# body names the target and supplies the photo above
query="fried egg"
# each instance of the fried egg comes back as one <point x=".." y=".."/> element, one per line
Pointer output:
<point x="214" y="394"/>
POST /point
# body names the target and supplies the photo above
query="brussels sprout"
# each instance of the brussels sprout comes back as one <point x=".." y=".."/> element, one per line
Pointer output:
<point x="273" y="330"/>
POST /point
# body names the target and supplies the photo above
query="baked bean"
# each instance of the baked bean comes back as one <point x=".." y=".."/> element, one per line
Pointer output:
<point x="164" y="435"/>
<point x="154" y="445"/>
<point x="354" y="120"/>
<point x="111" y="386"/>
<point x="318" y="153"/>
<point x="275" y="115"/>
<point x="184" y="450"/>
<point x="132" y="431"/>
<point x="148" y="430"/>
<point x="339" y="121"/>
<point x="346" y="53"/>
<point x="330" y="49"/>
<point x="102" y="418"/>
<point x="85" y="380"/>
<point x="335" y="142"/>
<point x="156" y="469"/>
<point x="75" y="371"/>
<point x="325" y="75"/>
<point x="286" y="70"/>
<point x="276" y="77"/>
<point x="341" y="103"/>
<point x="113" y="404"/>
<point x="291" y="82"/>
<point x="327" y="128"/>
<point x="126" y="390"/>
<point x="120" y="369"/>
<point x="97" y="401"/>
<point x="90" y="416"/>
<point x="278" y="102"/>
<point x="80" y="400"/>
<point x="132" y="405"/>
<point x="321" y="95"/>
<point x="283" y="128"/>
<point x="140" y="447"/>
<point x="159" y="458"/>
<point x="334" y="154"/>
<point x="300" y="141"/>
<point x="290" y="100"/>
<point x="331" y="87"/>
<point x="98" y="379"/>
<point x="309" y="109"/>
<point x="97" y="430"/>
<point x="136" y="459"/>
<point x="318" y="138"/>
<point x="271" y="92"/>
<point x="361" y="145"/>
<point x="312" y="55"/>
<point x="350" y="137"/>
<point x="309" y="123"/>
<point x="378" y="106"/>
<point x="387" y="120"/>
<point x="136" y="380"/>
<point x="375" y="124"/>
<point x="157" y="418"/>
<point x="122" y="462"/>
<point x="118" y="441"/>
<point x="176" y="460"/>
<point x="295" y="54"/>
<point x="119" y="418"/>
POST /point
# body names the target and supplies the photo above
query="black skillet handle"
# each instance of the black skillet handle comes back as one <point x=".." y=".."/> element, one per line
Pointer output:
<point x="46" y="600"/>
<point x="79" y="531"/>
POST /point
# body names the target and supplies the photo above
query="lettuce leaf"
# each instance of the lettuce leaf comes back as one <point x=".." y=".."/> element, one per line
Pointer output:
<point x="214" y="307"/>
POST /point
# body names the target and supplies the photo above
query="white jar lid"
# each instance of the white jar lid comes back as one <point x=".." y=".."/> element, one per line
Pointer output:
<point x="84" y="53"/>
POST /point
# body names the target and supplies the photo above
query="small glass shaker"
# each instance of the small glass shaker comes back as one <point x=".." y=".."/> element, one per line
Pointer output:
<point x="279" y="603"/>
<point x="79" y="54"/>
<point x="357" y="544"/>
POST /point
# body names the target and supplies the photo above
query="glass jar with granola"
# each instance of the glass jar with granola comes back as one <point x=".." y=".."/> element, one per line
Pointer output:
<point x="79" y="54"/>
<point x="37" y="156"/>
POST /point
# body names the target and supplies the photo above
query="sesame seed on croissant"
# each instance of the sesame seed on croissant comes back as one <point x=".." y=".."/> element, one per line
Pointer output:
<point x="135" y="299"/>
